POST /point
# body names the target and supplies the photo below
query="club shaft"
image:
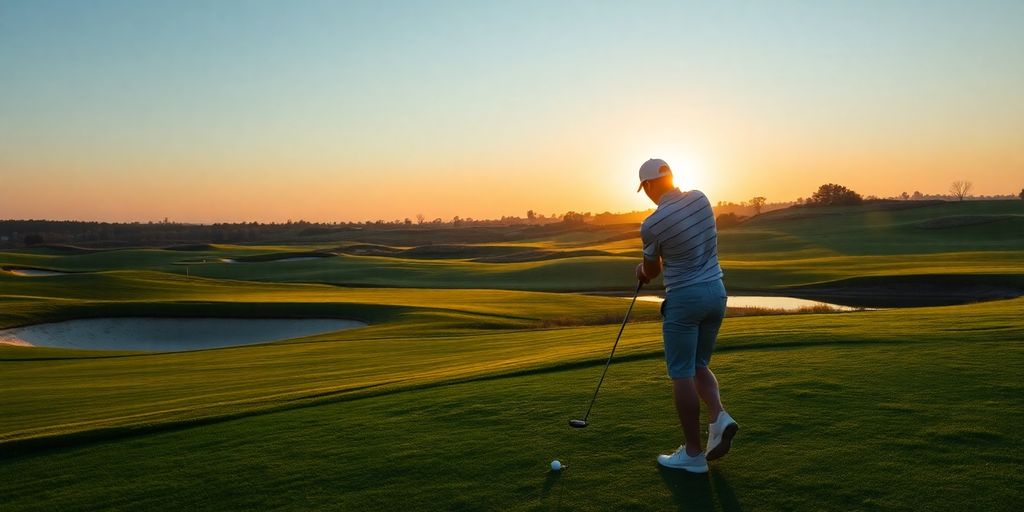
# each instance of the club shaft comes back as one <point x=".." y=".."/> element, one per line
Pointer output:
<point x="607" y="364"/>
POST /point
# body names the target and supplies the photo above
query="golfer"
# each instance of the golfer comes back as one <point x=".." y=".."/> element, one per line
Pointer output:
<point x="680" y="237"/>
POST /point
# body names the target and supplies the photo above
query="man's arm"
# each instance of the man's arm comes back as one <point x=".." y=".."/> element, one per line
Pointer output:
<point x="648" y="270"/>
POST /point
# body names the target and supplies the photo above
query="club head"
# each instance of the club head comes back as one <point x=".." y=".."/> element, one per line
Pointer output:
<point x="578" y="423"/>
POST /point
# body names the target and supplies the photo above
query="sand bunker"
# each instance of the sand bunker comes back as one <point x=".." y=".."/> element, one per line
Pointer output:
<point x="33" y="272"/>
<point x="167" y="334"/>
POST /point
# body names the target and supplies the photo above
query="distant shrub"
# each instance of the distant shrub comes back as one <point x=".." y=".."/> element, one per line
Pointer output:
<point x="831" y="194"/>
<point x="728" y="220"/>
<point x="574" y="218"/>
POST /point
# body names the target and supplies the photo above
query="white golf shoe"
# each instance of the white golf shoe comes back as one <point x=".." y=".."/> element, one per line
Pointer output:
<point x="680" y="460"/>
<point x="720" y="434"/>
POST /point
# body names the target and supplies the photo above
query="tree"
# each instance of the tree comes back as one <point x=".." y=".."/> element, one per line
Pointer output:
<point x="1021" y="195"/>
<point x="572" y="217"/>
<point x="905" y="196"/>
<point x="758" y="203"/>
<point x="831" y="194"/>
<point x="917" y="196"/>
<point x="531" y="215"/>
<point x="959" y="189"/>
<point x="420" y="218"/>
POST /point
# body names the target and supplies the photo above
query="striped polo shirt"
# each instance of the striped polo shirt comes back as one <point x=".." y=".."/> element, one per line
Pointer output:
<point x="682" y="232"/>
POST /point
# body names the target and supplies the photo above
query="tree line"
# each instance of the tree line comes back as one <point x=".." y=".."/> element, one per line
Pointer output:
<point x="832" y="194"/>
<point x="34" y="232"/>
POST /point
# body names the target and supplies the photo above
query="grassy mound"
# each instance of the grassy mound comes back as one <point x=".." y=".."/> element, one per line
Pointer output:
<point x="191" y="247"/>
<point x="64" y="249"/>
<point x="540" y="255"/>
<point x="367" y="250"/>
<point x="277" y="256"/>
<point x="459" y="251"/>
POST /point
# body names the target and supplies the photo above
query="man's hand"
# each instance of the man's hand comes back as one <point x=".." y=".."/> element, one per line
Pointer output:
<point x="640" y="274"/>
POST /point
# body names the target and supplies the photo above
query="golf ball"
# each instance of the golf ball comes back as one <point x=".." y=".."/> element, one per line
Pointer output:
<point x="556" y="466"/>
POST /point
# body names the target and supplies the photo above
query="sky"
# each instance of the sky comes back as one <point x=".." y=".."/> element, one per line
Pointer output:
<point x="223" y="111"/>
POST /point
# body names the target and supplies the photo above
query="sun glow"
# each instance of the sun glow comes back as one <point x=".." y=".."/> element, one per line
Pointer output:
<point x="689" y="170"/>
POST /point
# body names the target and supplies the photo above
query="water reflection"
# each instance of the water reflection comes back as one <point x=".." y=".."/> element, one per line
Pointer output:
<point x="755" y="301"/>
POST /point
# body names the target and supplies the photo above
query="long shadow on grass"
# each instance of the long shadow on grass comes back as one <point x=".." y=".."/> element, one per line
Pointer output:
<point x="552" y="502"/>
<point x="693" y="492"/>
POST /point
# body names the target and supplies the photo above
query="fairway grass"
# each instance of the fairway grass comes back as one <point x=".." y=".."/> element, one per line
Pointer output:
<point x="456" y="396"/>
<point x="916" y="412"/>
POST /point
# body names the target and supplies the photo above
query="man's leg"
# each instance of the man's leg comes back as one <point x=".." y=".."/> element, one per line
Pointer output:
<point x="688" y="409"/>
<point x="707" y="387"/>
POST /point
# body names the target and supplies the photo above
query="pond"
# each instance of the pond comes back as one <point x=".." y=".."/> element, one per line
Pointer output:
<point x="168" y="334"/>
<point x="767" y="302"/>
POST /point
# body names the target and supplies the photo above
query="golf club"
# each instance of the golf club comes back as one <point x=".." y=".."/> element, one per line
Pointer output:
<point x="583" y="423"/>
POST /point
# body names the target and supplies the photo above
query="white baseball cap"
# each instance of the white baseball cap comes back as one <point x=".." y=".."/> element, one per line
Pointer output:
<point x="652" y="169"/>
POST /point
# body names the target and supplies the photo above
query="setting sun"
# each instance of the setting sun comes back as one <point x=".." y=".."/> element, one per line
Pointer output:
<point x="690" y="170"/>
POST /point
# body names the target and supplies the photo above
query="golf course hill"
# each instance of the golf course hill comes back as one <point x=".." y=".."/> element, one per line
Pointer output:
<point x="436" y="369"/>
<point x="902" y="252"/>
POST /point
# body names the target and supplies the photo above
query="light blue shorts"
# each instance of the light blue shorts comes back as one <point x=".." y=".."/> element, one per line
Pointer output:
<point x="691" y="317"/>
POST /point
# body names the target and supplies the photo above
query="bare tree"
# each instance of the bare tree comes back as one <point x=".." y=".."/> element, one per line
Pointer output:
<point x="959" y="189"/>
<point x="757" y="203"/>
<point x="420" y="218"/>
